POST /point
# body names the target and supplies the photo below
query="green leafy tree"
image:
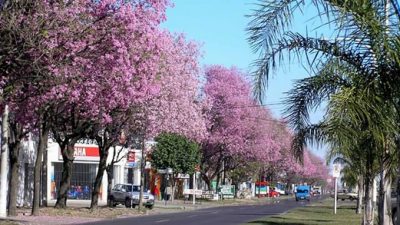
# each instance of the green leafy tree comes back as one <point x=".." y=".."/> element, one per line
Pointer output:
<point x="355" y="72"/>
<point x="176" y="152"/>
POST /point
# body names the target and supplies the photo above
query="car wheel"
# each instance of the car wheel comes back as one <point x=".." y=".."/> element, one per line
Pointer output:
<point x="297" y="199"/>
<point x="149" y="206"/>
<point x="128" y="203"/>
<point x="394" y="217"/>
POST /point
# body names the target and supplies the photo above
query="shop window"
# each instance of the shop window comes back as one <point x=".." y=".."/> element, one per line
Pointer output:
<point x="82" y="180"/>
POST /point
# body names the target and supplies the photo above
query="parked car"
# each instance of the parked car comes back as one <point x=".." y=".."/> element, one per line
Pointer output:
<point x="316" y="190"/>
<point x="303" y="193"/>
<point x="128" y="195"/>
<point x="344" y="194"/>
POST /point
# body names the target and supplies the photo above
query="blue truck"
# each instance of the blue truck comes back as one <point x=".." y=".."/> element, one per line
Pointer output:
<point x="303" y="192"/>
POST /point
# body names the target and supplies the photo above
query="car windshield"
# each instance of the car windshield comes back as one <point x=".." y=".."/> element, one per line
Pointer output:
<point x="302" y="191"/>
<point x="135" y="188"/>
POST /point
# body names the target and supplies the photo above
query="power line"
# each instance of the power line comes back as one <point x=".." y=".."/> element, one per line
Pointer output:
<point x="250" y="106"/>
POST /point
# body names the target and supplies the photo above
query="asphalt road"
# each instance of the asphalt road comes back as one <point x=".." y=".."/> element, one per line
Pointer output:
<point x="227" y="215"/>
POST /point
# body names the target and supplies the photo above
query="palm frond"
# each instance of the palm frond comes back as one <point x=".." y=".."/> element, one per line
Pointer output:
<point x="269" y="21"/>
<point x="295" y="44"/>
<point x="310" y="92"/>
<point x="313" y="134"/>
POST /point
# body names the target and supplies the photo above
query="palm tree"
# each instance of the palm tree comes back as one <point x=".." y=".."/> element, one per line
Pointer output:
<point x="356" y="72"/>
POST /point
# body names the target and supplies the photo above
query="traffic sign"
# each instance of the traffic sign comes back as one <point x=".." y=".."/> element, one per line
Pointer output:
<point x="336" y="170"/>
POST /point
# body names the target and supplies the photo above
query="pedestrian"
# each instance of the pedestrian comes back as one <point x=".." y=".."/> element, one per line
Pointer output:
<point x="157" y="192"/>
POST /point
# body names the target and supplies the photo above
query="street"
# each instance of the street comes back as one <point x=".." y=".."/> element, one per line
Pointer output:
<point x="228" y="215"/>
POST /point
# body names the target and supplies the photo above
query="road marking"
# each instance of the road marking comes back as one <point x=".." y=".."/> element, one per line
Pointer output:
<point x="161" y="221"/>
<point x="215" y="212"/>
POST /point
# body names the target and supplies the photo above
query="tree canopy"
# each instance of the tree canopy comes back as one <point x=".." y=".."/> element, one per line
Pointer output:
<point x="177" y="152"/>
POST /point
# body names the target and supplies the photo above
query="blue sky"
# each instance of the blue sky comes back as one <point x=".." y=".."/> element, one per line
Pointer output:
<point x="219" y="25"/>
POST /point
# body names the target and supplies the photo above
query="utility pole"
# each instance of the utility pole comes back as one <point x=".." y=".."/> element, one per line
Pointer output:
<point x="4" y="163"/>
<point x="335" y="204"/>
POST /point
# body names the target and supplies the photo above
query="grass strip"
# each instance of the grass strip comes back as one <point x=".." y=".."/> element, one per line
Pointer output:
<point x="318" y="213"/>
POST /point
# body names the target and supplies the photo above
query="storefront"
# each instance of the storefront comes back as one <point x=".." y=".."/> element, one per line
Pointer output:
<point x="85" y="166"/>
<point x="84" y="171"/>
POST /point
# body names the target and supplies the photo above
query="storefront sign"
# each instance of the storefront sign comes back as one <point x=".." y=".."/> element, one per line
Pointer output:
<point x="84" y="152"/>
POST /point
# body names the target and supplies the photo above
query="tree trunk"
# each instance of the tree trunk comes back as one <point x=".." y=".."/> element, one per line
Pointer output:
<point x="14" y="178"/>
<point x="236" y="190"/>
<point x="173" y="187"/>
<point x="360" y="194"/>
<point x="43" y="198"/>
<point x="43" y="136"/>
<point x="381" y="194"/>
<point x="398" y="182"/>
<point x="398" y="195"/>
<point x="368" y="218"/>
<point x="110" y="176"/>
<point x="68" y="159"/>
<point x="207" y="180"/>
<point x="217" y="185"/>
<point x="191" y="185"/>
<point x="388" y="201"/>
<point x="384" y="204"/>
<point x="99" y="178"/>
<point x="4" y="162"/>
<point x="142" y="165"/>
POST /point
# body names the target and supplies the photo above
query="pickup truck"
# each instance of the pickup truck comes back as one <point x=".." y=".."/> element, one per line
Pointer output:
<point x="343" y="195"/>
<point x="128" y="195"/>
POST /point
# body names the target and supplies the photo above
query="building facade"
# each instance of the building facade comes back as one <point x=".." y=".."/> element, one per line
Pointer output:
<point x="84" y="171"/>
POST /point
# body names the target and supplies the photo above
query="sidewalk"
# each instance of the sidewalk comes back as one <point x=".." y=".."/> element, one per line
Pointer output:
<point x="78" y="211"/>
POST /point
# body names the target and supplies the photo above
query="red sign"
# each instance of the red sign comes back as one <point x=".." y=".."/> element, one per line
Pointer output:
<point x="85" y="152"/>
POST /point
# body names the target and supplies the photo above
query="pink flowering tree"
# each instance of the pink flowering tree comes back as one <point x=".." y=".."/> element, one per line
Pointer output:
<point x="283" y="165"/>
<point x="315" y="170"/>
<point x="112" y="69"/>
<point x="22" y="80"/>
<point x="92" y="60"/>
<point x="238" y="130"/>
<point x="177" y="107"/>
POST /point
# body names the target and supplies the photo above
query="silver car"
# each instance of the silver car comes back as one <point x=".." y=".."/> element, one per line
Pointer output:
<point x="129" y="194"/>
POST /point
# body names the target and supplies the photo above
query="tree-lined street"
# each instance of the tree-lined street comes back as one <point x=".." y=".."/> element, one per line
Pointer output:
<point x="107" y="103"/>
<point x="227" y="215"/>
